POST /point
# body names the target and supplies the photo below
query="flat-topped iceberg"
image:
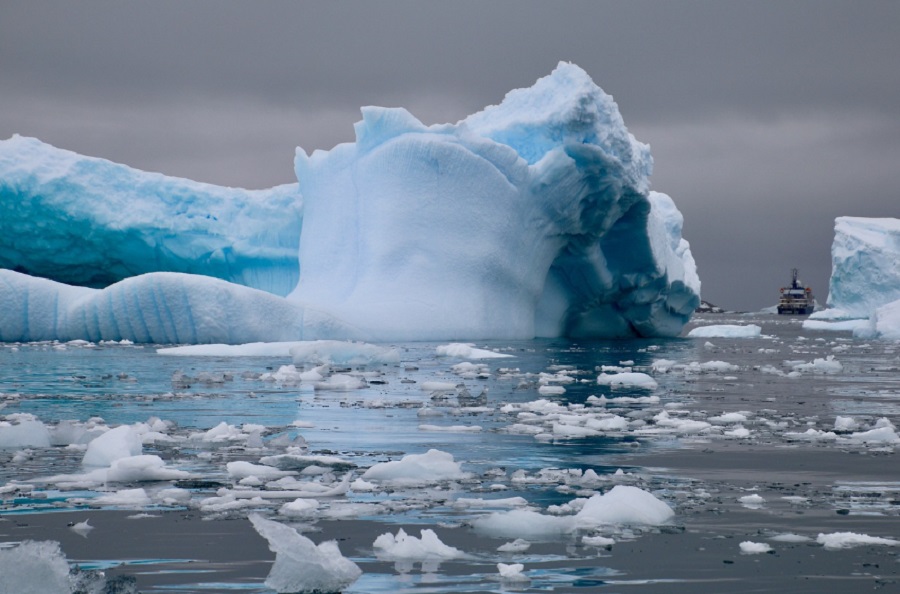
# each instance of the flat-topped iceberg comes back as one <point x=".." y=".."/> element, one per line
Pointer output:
<point x="533" y="217"/>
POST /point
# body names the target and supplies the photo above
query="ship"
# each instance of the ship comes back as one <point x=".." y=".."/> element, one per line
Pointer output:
<point x="795" y="299"/>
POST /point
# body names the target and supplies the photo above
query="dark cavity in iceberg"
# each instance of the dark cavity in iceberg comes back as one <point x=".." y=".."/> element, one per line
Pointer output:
<point x="530" y="218"/>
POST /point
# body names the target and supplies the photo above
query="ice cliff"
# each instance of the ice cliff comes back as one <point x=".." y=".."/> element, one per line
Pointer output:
<point x="865" y="275"/>
<point x="533" y="217"/>
<point x="87" y="221"/>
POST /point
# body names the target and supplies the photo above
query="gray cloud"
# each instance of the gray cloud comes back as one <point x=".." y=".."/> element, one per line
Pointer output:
<point x="766" y="119"/>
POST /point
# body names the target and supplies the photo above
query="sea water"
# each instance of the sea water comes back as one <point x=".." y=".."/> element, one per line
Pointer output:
<point x="746" y="397"/>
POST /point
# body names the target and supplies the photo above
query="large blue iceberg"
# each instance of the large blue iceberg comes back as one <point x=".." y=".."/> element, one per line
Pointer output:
<point x="533" y="217"/>
<point x="87" y="221"/>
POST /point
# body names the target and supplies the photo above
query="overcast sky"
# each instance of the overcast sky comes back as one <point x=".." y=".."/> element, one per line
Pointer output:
<point x="766" y="120"/>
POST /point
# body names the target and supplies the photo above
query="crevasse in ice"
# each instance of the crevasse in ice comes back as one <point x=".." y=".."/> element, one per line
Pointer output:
<point x="533" y="217"/>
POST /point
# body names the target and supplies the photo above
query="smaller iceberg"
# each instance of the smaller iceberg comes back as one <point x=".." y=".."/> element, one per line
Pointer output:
<point x="865" y="278"/>
<point x="301" y="566"/>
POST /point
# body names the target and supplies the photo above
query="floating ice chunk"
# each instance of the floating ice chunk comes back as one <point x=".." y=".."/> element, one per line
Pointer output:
<point x="477" y="503"/>
<point x="34" y="567"/>
<point x="845" y="540"/>
<point x="301" y="566"/>
<point x="845" y="424"/>
<point x="240" y="469"/>
<point x="299" y="508"/>
<point x="732" y="417"/>
<point x="461" y="350"/>
<point x="632" y="379"/>
<point x="432" y="466"/>
<point x="597" y="541"/>
<point x="664" y="419"/>
<point x="519" y="545"/>
<point x="292" y="461"/>
<point x="124" y="498"/>
<point x="884" y="323"/>
<point x="24" y="434"/>
<point x="222" y="432"/>
<point x="81" y="528"/>
<point x="512" y="572"/>
<point x="548" y="390"/>
<point x="624" y="504"/>
<point x="886" y="433"/>
<point x="451" y="428"/>
<point x="827" y="365"/>
<point x="753" y="501"/>
<point x="289" y="374"/>
<point x="739" y="432"/>
<point x="726" y="331"/>
<point x="145" y="467"/>
<point x="338" y="352"/>
<point x="121" y="442"/>
<point x="341" y="382"/>
<point x="754" y="548"/>
<point x="404" y="547"/>
<point x="790" y="537"/>
<point x="524" y="524"/>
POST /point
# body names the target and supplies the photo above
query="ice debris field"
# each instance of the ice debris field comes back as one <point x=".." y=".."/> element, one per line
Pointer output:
<point x="530" y="218"/>
<point x="363" y="467"/>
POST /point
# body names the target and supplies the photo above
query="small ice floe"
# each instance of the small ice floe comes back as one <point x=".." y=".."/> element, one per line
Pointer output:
<point x="512" y="572"/>
<point x="883" y="432"/>
<point x="598" y="541"/>
<point x="479" y="503"/>
<point x="846" y="540"/>
<point x="403" y="547"/>
<point x="749" y="547"/>
<point x="621" y="505"/>
<point x="241" y="469"/>
<point x="468" y="351"/>
<point x="828" y="365"/>
<point x="519" y="545"/>
<point x="632" y="379"/>
<point x="338" y="352"/>
<point x="790" y="537"/>
<point x="301" y="565"/>
<point x="81" y="528"/>
<point x="451" y="428"/>
<point x="845" y="424"/>
<point x="122" y="442"/>
<point x="551" y="390"/>
<point x="726" y="331"/>
<point x="299" y="508"/>
<point x="430" y="467"/>
<point x="753" y="501"/>
<point x="130" y="498"/>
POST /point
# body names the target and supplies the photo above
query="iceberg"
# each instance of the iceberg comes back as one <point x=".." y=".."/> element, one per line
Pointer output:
<point x="865" y="278"/>
<point x="531" y="218"/>
<point x="87" y="221"/>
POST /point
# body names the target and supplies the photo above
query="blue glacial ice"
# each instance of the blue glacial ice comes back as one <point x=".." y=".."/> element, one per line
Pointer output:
<point x="533" y="217"/>
<point x="87" y="221"/>
<point x="865" y="277"/>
